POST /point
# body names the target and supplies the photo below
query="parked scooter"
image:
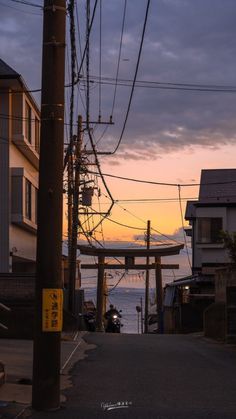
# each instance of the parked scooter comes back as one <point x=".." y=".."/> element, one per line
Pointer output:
<point x="90" y="321"/>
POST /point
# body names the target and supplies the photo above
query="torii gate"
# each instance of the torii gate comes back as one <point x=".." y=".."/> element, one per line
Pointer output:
<point x="129" y="255"/>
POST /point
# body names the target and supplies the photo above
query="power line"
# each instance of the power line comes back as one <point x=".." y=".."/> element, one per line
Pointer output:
<point x="119" y="56"/>
<point x="19" y="118"/>
<point x="139" y="83"/>
<point x="150" y="182"/>
<point x="80" y="50"/>
<point x="143" y="221"/>
<point x="87" y="40"/>
<point x="134" y="80"/>
<point x="190" y="89"/>
<point x="27" y="3"/>
<point x="120" y="279"/>
<point x="151" y="84"/>
<point x="20" y="10"/>
<point x="100" y="61"/>
<point x="153" y="200"/>
<point x="87" y="61"/>
<point x="182" y="221"/>
<point x="27" y="146"/>
<point x="125" y="225"/>
<point x="102" y="177"/>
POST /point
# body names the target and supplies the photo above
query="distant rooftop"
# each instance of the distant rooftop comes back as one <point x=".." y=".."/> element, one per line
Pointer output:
<point x="7" y="72"/>
<point x="218" y="185"/>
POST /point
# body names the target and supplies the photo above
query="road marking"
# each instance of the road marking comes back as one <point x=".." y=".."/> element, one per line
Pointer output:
<point x="21" y="412"/>
<point x="70" y="356"/>
<point x="76" y="335"/>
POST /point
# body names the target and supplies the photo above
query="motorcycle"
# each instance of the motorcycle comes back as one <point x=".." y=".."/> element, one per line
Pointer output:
<point x="113" y="324"/>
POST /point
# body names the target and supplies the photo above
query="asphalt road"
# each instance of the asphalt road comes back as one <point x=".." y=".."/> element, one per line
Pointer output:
<point x="151" y="376"/>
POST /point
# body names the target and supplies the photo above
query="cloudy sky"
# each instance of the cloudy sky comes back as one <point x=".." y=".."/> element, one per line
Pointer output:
<point x="171" y="134"/>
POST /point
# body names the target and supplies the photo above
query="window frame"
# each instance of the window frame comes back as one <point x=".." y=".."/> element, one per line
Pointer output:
<point x="28" y="122"/>
<point x="28" y="199"/>
<point x="37" y="134"/>
<point x="212" y="235"/>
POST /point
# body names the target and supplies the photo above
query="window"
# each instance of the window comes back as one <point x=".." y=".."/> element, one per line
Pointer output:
<point x="37" y="135"/>
<point x="28" y="132"/>
<point x="36" y="205"/>
<point x="209" y="230"/>
<point x="28" y="199"/>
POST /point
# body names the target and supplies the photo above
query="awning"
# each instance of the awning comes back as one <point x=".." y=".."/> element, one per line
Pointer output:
<point x="184" y="281"/>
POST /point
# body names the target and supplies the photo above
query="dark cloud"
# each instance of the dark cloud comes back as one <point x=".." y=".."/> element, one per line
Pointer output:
<point x="187" y="41"/>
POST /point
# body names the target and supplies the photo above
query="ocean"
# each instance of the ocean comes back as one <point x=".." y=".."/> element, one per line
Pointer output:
<point x="125" y="290"/>
<point x="125" y="299"/>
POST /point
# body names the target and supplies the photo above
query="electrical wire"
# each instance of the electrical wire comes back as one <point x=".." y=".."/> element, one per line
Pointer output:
<point x="100" y="62"/>
<point x="125" y="225"/>
<point x="116" y="285"/>
<point x="27" y="3"/>
<point x="143" y="221"/>
<point x="182" y="221"/>
<point x="21" y="10"/>
<point x="27" y="146"/>
<point x="152" y="84"/>
<point x="87" y="40"/>
<point x="150" y="182"/>
<point x="71" y="7"/>
<point x="186" y="89"/>
<point x="80" y="50"/>
<point x="134" y="80"/>
<point x="87" y="61"/>
<point x="101" y="175"/>
<point x="154" y="200"/>
<point x="119" y="56"/>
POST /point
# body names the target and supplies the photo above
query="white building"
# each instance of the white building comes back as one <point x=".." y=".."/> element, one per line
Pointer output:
<point x="186" y="299"/>
<point x="19" y="165"/>
<point x="214" y="211"/>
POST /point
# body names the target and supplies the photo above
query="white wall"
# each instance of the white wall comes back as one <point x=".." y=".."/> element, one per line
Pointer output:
<point x="213" y="253"/>
<point x="24" y="241"/>
<point x="5" y="132"/>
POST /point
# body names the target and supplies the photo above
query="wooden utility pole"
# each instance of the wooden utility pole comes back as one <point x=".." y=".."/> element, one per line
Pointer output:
<point x="48" y="296"/>
<point x="141" y="305"/>
<point x="159" y="294"/>
<point x="100" y="294"/>
<point x="105" y="294"/>
<point x="70" y="181"/>
<point x="75" y="220"/>
<point x="147" y="281"/>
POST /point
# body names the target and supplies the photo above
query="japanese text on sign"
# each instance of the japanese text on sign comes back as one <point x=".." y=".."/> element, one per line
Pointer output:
<point x="52" y="310"/>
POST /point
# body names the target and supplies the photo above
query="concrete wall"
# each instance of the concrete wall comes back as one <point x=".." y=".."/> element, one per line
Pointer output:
<point x="220" y="317"/>
<point x="231" y="219"/>
<point x="214" y="321"/>
<point x="224" y="278"/>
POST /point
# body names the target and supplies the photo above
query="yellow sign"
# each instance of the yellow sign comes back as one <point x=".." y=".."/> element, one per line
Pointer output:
<point x="52" y="309"/>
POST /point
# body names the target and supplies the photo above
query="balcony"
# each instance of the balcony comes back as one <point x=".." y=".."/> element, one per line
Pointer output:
<point x="27" y="149"/>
